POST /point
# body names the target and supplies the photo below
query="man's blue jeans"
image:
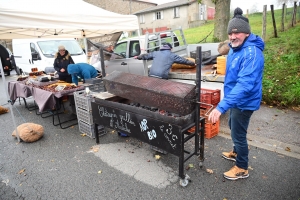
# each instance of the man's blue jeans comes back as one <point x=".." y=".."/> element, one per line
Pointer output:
<point x="238" y="124"/>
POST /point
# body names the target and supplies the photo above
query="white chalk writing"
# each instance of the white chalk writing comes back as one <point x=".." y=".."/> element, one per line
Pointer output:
<point x="151" y="134"/>
<point x="161" y="128"/>
<point x="170" y="141"/>
<point x="121" y="126"/>
<point x="104" y="113"/>
<point x="143" y="125"/>
<point x="169" y="130"/>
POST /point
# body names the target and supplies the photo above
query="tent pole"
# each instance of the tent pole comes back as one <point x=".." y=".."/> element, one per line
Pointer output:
<point x="10" y="106"/>
<point x="86" y="49"/>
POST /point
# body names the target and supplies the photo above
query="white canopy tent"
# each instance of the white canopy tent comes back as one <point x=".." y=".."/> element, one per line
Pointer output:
<point x="58" y="19"/>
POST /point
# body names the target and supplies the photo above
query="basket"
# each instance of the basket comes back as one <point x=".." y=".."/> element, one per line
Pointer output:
<point x="89" y="129"/>
<point x="84" y="115"/>
<point x="82" y="101"/>
<point x="209" y="96"/>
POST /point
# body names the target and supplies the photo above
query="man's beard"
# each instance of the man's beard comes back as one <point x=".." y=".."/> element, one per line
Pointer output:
<point x="236" y="43"/>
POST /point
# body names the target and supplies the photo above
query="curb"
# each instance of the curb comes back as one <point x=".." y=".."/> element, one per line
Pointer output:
<point x="270" y="144"/>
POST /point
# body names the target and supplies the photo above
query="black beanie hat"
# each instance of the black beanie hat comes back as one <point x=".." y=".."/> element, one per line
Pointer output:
<point x="239" y="23"/>
<point x="166" y="46"/>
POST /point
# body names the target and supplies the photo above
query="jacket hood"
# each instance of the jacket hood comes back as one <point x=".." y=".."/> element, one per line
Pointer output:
<point x="73" y="69"/>
<point x="65" y="56"/>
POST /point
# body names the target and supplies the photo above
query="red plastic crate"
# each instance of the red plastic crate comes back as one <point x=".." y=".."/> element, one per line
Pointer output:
<point x="209" y="96"/>
<point x="211" y="130"/>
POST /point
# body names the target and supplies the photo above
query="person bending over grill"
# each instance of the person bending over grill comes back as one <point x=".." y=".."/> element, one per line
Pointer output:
<point x="82" y="70"/>
<point x="163" y="60"/>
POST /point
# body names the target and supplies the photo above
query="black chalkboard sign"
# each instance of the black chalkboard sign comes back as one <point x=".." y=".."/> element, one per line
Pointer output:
<point x="157" y="133"/>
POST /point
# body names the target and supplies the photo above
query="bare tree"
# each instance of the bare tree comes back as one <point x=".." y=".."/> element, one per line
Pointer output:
<point x="222" y="16"/>
<point x="253" y="9"/>
<point x="280" y="2"/>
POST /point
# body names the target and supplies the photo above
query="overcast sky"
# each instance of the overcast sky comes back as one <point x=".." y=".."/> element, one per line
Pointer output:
<point x="243" y="4"/>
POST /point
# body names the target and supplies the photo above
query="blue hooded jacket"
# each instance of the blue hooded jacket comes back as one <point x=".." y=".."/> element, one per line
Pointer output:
<point x="83" y="70"/>
<point x="244" y="74"/>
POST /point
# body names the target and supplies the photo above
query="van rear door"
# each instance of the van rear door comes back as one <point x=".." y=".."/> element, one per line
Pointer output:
<point x="22" y="54"/>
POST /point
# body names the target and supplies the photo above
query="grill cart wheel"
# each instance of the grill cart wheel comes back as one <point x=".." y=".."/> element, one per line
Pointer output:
<point x="184" y="182"/>
<point x="201" y="164"/>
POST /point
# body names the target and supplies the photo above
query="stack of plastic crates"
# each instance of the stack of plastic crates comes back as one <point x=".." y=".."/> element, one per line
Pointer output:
<point x="209" y="100"/>
<point x="84" y="115"/>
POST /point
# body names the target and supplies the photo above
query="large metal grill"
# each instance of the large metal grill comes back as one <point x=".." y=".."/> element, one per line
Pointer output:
<point x="171" y="96"/>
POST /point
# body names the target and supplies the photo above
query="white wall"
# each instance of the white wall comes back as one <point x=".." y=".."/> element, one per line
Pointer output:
<point x="168" y="19"/>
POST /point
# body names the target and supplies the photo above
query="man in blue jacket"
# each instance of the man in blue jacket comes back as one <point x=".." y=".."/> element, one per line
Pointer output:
<point x="82" y="70"/>
<point x="163" y="60"/>
<point x="242" y="90"/>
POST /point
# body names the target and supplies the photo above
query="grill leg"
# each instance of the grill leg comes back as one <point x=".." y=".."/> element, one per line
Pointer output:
<point x="181" y="158"/>
<point x="202" y="131"/>
<point x="96" y="133"/>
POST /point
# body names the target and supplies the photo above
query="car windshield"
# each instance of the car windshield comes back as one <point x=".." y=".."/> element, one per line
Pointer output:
<point x="49" y="48"/>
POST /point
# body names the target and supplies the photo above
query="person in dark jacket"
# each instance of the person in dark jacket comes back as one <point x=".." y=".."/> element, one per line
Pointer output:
<point x="163" y="60"/>
<point x="242" y="90"/>
<point x="82" y="70"/>
<point x="5" y="60"/>
<point x="61" y="62"/>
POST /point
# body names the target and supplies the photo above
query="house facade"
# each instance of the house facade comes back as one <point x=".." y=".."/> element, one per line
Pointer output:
<point x="182" y="13"/>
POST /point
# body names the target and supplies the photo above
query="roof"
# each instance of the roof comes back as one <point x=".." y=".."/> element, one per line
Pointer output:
<point x="147" y="1"/>
<point x="18" y="19"/>
<point x="166" y="6"/>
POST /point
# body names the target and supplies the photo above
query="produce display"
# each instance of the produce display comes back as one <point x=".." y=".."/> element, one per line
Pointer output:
<point x="52" y="87"/>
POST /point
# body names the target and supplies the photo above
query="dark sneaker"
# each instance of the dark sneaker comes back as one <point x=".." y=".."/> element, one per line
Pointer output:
<point x="229" y="155"/>
<point x="236" y="173"/>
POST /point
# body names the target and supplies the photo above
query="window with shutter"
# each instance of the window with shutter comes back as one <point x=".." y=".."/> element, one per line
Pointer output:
<point x="158" y="15"/>
<point x="176" y="12"/>
<point x="142" y="19"/>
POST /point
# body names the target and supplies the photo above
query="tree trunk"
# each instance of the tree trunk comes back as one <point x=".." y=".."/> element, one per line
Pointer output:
<point x="222" y="16"/>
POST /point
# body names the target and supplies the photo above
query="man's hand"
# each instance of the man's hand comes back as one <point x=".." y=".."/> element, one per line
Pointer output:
<point x="62" y="70"/>
<point x="135" y="57"/>
<point x="214" y="116"/>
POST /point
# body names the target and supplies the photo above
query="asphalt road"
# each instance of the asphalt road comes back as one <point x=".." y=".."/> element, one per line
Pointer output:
<point x="65" y="165"/>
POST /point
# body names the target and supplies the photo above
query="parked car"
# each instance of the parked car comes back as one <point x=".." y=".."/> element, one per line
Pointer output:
<point x="5" y="60"/>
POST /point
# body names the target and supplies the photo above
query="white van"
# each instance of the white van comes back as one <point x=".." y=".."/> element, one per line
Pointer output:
<point x="39" y="53"/>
